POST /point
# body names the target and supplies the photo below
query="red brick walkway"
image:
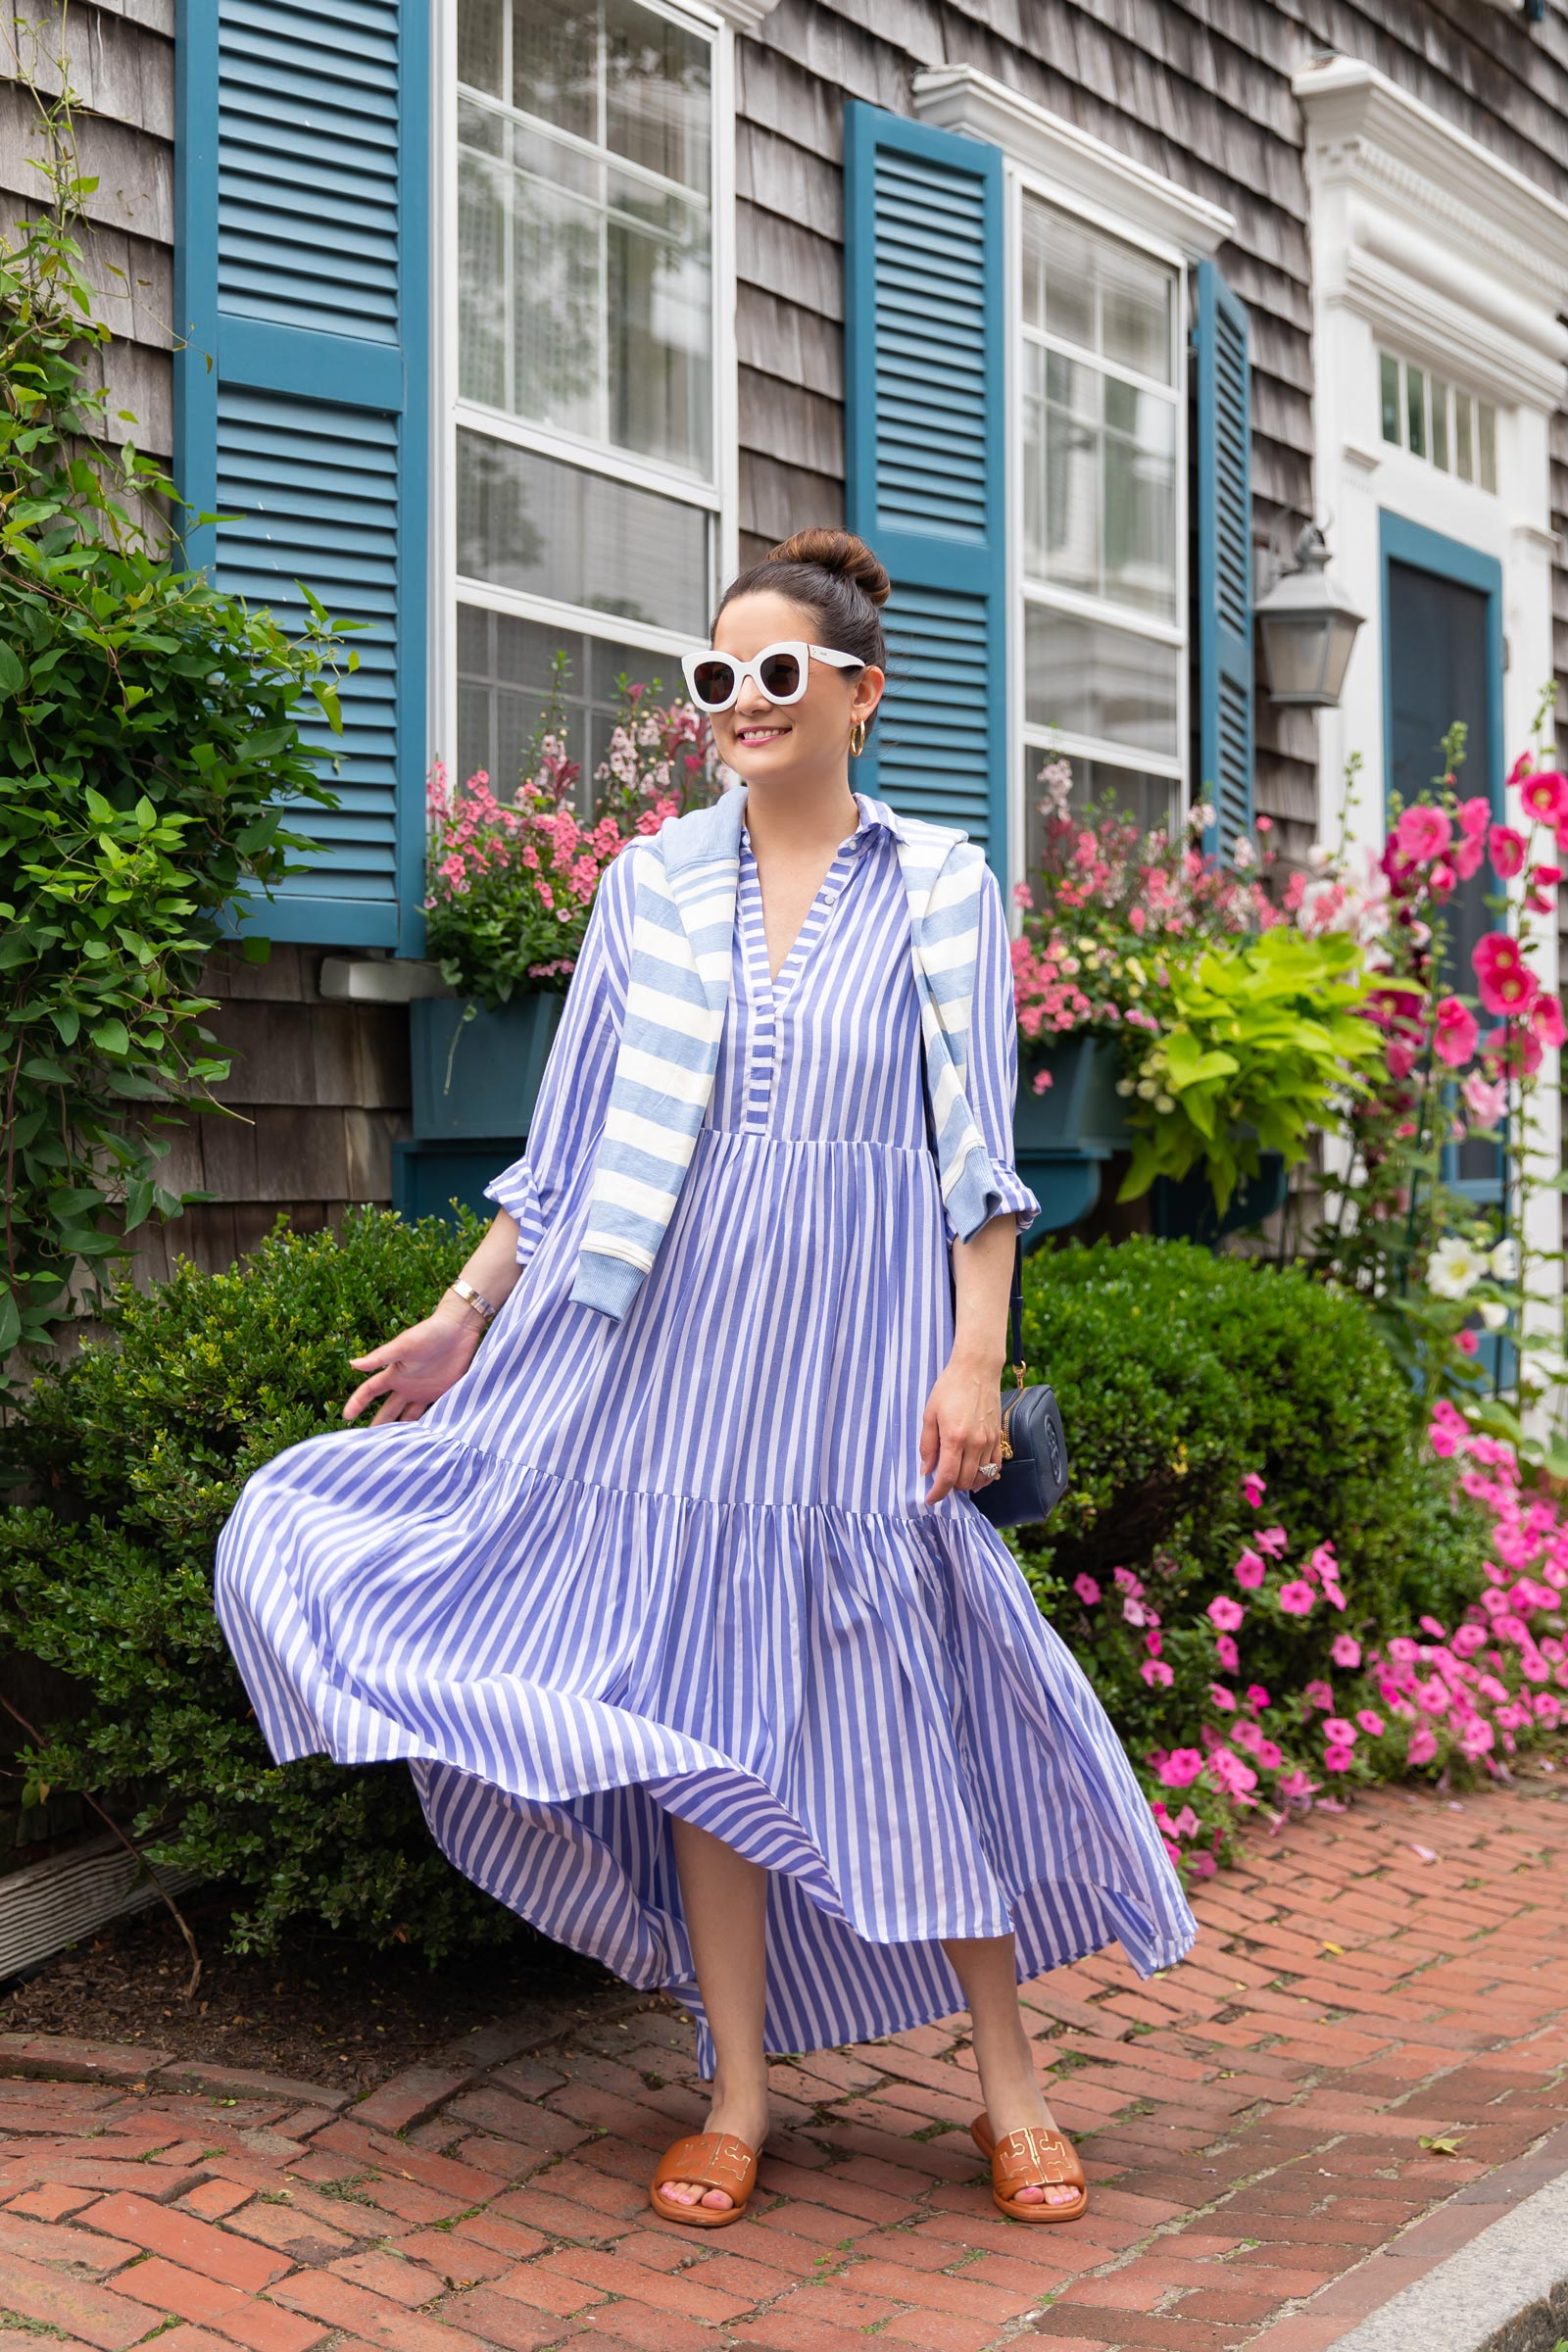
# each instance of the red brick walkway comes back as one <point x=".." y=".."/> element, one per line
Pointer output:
<point x="1379" y="1987"/>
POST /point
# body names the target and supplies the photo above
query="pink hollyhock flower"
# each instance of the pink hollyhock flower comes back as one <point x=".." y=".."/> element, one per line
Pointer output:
<point x="1296" y="1597"/>
<point x="1422" y="833"/>
<point x="1229" y="1656"/>
<point x="1225" y="1612"/>
<point x="1523" y="767"/>
<point x="1507" y="985"/>
<point x="1486" y="1100"/>
<point x="1474" y="817"/>
<point x="1442" y="878"/>
<point x="1545" y="796"/>
<point x="1400" y="1060"/>
<point x="1318" y="1695"/>
<point x="1468" y="856"/>
<point x="1423" y="1745"/>
<point x="1507" y="851"/>
<point x="1224" y="1700"/>
<point x="1254" y="1488"/>
<point x="1257" y="1697"/>
<point x="1457" y="1033"/>
<point x="1546" y="1018"/>
<point x="1155" y="1672"/>
<point x="1269" y="1756"/>
<point x="1338" y="1733"/>
<point x="1467" y="1342"/>
<point x="1347" y="1651"/>
<point x="1086" y="1589"/>
<point x="1371" y="1722"/>
<point x="1181" y="1767"/>
<point x="1250" y="1571"/>
<point x="1338" y="1759"/>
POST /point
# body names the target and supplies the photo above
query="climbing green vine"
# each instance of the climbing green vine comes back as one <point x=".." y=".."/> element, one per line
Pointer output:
<point x="150" y="748"/>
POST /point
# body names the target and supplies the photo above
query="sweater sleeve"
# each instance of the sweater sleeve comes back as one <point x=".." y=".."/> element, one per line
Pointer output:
<point x="575" y="1091"/>
<point x="990" y="1071"/>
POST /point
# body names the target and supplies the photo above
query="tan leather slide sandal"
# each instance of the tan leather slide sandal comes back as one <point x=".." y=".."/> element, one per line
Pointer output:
<point x="717" y="2157"/>
<point x="1037" y="2157"/>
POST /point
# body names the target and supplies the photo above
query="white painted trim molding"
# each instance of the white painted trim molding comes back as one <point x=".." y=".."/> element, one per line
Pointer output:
<point x="1421" y="229"/>
<point x="745" y="15"/>
<point x="1069" y="162"/>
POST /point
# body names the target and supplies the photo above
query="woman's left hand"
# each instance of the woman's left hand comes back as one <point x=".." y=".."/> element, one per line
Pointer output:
<point x="962" y="1426"/>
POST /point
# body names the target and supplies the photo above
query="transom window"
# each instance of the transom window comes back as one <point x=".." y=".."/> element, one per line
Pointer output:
<point x="586" y="492"/>
<point x="1435" y="419"/>
<point x="1103" y="559"/>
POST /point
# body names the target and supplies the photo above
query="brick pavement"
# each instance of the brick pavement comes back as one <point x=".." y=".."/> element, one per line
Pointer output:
<point x="1368" y="2051"/>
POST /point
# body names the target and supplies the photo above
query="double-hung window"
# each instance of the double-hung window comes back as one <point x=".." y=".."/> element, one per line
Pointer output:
<point x="1102" y="529"/>
<point x="585" y="443"/>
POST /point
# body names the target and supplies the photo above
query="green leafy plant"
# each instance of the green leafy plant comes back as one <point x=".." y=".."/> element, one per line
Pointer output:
<point x="135" y="1451"/>
<point x="149" y="747"/>
<point x="1257" y="1040"/>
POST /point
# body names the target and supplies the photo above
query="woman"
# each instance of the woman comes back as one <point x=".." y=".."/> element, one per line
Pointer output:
<point x="676" y="1599"/>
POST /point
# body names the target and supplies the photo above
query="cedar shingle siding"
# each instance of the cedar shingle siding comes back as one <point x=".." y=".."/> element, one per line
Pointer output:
<point x="1198" y="90"/>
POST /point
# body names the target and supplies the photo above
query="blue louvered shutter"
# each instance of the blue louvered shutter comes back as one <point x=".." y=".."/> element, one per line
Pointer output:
<point x="301" y="290"/>
<point x="1223" y="612"/>
<point x="925" y="459"/>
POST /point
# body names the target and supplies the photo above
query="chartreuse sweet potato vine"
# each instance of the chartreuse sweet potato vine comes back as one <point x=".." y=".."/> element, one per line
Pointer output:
<point x="149" y="744"/>
<point x="1259" y="1039"/>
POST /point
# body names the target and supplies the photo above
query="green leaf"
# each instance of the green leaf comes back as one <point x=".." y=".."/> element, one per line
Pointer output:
<point x="10" y="1322"/>
<point x="111" y="1037"/>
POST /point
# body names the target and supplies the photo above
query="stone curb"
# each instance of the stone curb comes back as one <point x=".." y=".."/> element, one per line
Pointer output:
<point x="1505" y="2292"/>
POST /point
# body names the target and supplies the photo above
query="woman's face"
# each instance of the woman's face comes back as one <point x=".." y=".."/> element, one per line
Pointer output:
<point x="779" y="742"/>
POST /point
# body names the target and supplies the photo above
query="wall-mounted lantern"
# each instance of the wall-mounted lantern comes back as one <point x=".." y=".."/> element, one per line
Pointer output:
<point x="1306" y="625"/>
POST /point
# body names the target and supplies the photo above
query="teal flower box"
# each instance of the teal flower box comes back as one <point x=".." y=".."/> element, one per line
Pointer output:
<point x="1080" y="1110"/>
<point x="475" y="1073"/>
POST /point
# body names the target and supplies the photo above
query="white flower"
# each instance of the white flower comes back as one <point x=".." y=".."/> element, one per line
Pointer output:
<point x="1318" y="855"/>
<point x="1201" y="816"/>
<point x="1454" y="1268"/>
<point x="1242" y="853"/>
<point x="1494" y="1314"/>
<point x="1504" y="1260"/>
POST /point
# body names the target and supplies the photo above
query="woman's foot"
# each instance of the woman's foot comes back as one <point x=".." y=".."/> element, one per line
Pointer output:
<point x="748" y="2118"/>
<point x="1014" y="2104"/>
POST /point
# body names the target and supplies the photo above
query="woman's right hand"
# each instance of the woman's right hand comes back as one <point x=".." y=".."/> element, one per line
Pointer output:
<point x="409" y="1373"/>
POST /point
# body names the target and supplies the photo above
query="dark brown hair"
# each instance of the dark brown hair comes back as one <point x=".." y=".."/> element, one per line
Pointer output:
<point x="832" y="575"/>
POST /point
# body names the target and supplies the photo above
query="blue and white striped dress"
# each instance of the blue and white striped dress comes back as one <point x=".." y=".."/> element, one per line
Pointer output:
<point x="681" y="1563"/>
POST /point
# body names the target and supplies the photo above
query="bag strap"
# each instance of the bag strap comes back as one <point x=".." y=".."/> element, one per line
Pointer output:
<point x="1016" y="1302"/>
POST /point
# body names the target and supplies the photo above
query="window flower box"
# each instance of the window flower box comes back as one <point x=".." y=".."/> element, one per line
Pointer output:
<point x="476" y="1072"/>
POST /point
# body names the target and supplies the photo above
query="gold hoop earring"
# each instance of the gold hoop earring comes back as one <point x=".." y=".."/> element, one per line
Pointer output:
<point x="857" y="738"/>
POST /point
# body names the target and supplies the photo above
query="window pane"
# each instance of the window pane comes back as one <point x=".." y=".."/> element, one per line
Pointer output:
<point x="1440" y="424"/>
<point x="1486" y="416"/>
<point x="529" y="522"/>
<point x="555" y="63"/>
<point x="480" y="33"/>
<point x="505" y="693"/>
<point x="1099" y="293"/>
<point x="660" y="309"/>
<point x="1149" y="801"/>
<point x="657" y="90"/>
<point x="1415" y="411"/>
<point x="1087" y="678"/>
<point x="1464" y="464"/>
<point x="1140" y="467"/>
<point x="1066" y="546"/>
<point x="1388" y="395"/>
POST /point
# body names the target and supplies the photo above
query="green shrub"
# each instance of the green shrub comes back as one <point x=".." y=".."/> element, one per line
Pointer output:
<point x="139" y="1445"/>
<point x="1179" y="1373"/>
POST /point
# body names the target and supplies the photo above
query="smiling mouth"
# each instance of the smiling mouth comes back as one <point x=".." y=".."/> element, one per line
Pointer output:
<point x="761" y="734"/>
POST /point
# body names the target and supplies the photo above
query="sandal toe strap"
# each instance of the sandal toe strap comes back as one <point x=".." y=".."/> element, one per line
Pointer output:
<point x="717" y="2157"/>
<point x="1035" y="2157"/>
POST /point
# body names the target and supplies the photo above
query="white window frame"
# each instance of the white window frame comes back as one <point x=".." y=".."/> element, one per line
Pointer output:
<point x="1077" y="173"/>
<point x="718" y="495"/>
<point x="1028" y="736"/>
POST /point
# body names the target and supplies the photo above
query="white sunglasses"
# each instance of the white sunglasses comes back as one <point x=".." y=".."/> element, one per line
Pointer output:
<point x="782" y="672"/>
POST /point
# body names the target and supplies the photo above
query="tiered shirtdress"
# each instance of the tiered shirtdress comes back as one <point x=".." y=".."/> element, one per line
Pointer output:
<point x="682" y="1563"/>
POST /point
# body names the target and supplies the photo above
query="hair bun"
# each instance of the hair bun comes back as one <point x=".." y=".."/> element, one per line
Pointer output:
<point x="837" y="552"/>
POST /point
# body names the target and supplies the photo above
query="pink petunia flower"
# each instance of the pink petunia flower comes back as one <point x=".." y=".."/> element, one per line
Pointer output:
<point x="1371" y="1722"/>
<point x="1268" y="1755"/>
<point x="1273" y="1541"/>
<point x="1155" y="1671"/>
<point x="1423" y="1745"/>
<point x="1224" y="1700"/>
<point x="1086" y="1589"/>
<point x="1250" y="1571"/>
<point x="1229" y="1656"/>
<point x="1338" y="1733"/>
<point x="1181" y="1767"/>
<point x="1318" y="1695"/>
<point x="1254" y="1488"/>
<point x="1297" y="1598"/>
<point x="1347" y="1651"/>
<point x="1225" y="1612"/>
<point x="1338" y="1759"/>
<point x="1257" y="1697"/>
